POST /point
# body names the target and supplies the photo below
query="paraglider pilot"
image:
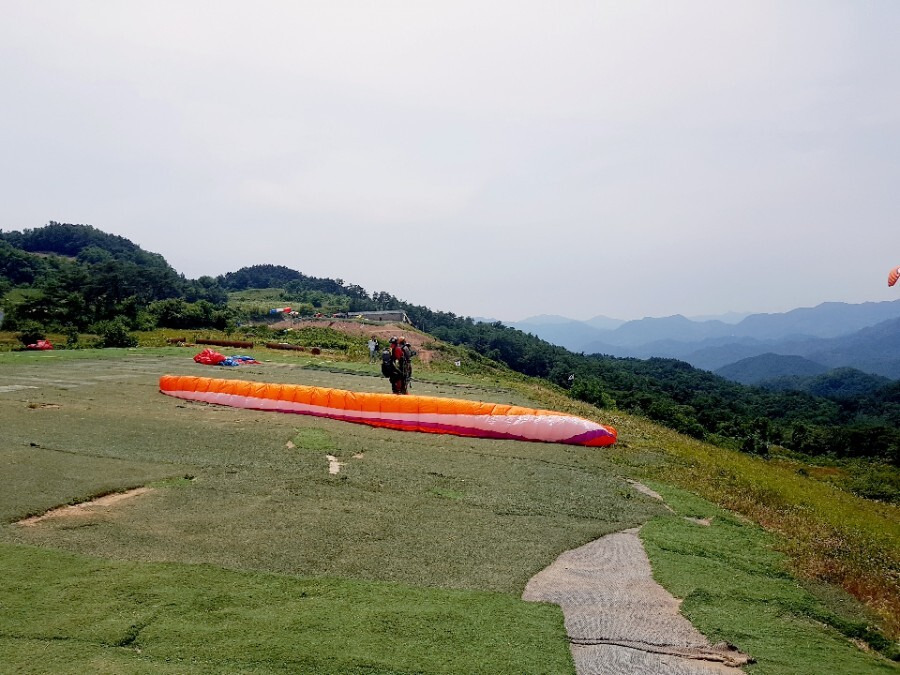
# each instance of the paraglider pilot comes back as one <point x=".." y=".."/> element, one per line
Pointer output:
<point x="392" y="366"/>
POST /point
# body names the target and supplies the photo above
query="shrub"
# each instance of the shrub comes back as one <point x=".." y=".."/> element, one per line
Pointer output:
<point x="878" y="481"/>
<point x="71" y="333"/>
<point x="589" y="390"/>
<point x="114" y="333"/>
<point x="30" y="332"/>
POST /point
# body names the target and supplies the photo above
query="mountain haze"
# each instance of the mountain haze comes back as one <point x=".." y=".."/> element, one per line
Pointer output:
<point x="840" y="384"/>
<point x="833" y="334"/>
<point x="756" y="369"/>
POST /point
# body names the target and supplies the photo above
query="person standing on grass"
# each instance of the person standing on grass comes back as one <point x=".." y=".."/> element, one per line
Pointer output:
<point x="373" y="349"/>
<point x="400" y="364"/>
<point x="406" y="364"/>
<point x="390" y="366"/>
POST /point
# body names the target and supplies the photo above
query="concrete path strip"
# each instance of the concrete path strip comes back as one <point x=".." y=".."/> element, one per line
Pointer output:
<point x="619" y="620"/>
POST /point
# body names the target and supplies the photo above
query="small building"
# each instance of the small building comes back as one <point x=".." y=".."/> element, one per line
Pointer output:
<point x="393" y="315"/>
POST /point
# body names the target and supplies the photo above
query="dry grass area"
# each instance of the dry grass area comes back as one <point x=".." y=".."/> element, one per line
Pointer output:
<point x="829" y="535"/>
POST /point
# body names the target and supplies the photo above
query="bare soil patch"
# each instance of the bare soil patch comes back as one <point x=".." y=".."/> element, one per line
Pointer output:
<point x="381" y="332"/>
<point x="643" y="489"/>
<point x="85" y="508"/>
<point x="706" y="522"/>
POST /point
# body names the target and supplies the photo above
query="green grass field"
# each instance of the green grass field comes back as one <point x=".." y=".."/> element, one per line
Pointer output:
<point x="734" y="586"/>
<point x="247" y="555"/>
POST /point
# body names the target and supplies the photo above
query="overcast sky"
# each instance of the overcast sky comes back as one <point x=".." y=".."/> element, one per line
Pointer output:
<point x="494" y="159"/>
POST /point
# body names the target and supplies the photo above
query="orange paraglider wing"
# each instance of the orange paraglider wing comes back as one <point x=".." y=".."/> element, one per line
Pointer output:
<point x="404" y="413"/>
<point x="893" y="276"/>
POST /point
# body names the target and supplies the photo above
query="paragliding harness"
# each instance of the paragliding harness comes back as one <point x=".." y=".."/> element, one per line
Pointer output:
<point x="387" y="363"/>
<point x="392" y="372"/>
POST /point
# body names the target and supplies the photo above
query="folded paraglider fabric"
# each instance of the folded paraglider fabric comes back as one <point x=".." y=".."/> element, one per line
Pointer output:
<point x="406" y="413"/>
<point x="237" y="361"/>
<point x="209" y="357"/>
<point x="40" y="344"/>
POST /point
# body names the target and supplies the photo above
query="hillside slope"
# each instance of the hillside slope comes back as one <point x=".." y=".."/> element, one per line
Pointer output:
<point x="756" y="369"/>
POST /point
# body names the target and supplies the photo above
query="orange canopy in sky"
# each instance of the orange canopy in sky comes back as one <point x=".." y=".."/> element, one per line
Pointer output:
<point x="893" y="276"/>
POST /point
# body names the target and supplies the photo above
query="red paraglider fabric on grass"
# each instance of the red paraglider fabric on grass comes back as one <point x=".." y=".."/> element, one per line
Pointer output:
<point x="209" y="357"/>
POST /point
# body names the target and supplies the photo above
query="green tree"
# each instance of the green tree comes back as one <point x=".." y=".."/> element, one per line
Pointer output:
<point x="114" y="333"/>
<point x="30" y="332"/>
<point x="589" y="390"/>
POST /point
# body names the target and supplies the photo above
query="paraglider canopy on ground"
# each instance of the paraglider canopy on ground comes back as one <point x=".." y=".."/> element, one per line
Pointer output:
<point x="427" y="414"/>
<point x="209" y="357"/>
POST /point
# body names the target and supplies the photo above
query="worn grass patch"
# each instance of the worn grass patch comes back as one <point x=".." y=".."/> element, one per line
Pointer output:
<point x="416" y="510"/>
<point x="427" y="540"/>
<point x="444" y="512"/>
<point x="35" y="479"/>
<point x="63" y="612"/>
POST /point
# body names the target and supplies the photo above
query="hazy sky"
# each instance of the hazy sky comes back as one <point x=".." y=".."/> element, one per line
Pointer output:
<point x="498" y="159"/>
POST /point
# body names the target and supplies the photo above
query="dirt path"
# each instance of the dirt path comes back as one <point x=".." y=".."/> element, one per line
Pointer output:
<point x="100" y="504"/>
<point x="383" y="332"/>
<point x="619" y="620"/>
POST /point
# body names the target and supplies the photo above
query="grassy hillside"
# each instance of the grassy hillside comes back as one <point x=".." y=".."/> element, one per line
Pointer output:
<point x="248" y="555"/>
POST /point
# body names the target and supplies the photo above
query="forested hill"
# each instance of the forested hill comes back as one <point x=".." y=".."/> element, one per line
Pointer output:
<point x="79" y="276"/>
<point x="70" y="240"/>
<point x="76" y="278"/>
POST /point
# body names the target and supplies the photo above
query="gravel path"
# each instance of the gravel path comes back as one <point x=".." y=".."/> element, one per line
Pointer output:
<point x="619" y="620"/>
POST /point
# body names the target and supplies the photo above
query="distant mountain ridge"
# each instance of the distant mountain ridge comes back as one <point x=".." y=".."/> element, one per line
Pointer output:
<point x="838" y="384"/>
<point x="756" y="369"/>
<point x="826" y="334"/>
